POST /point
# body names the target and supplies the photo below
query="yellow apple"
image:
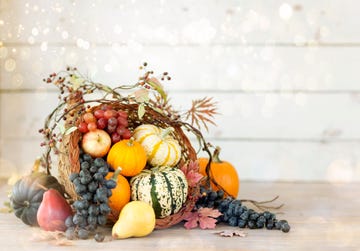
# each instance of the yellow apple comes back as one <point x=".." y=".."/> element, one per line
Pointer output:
<point x="96" y="143"/>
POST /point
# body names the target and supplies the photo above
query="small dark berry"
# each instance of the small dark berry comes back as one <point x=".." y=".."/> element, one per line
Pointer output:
<point x="251" y="224"/>
<point x="83" y="234"/>
<point x="242" y="223"/>
<point x="70" y="233"/>
<point x="285" y="227"/>
<point x="233" y="221"/>
<point x="254" y="216"/>
<point x="69" y="221"/>
<point x="99" y="237"/>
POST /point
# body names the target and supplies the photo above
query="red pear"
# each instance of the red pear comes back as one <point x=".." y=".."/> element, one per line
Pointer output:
<point x="53" y="211"/>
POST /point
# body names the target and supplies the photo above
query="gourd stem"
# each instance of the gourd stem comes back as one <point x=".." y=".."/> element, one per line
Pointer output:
<point x="166" y="132"/>
<point x="116" y="173"/>
<point x="215" y="159"/>
<point x="42" y="186"/>
<point x="131" y="141"/>
<point x="216" y="155"/>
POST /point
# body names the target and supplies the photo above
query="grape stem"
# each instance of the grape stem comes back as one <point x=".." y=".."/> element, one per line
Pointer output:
<point x="260" y="204"/>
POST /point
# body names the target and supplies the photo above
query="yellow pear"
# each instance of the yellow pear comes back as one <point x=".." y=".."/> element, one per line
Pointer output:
<point x="136" y="219"/>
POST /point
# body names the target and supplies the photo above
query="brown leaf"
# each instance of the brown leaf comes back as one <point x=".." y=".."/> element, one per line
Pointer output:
<point x="191" y="172"/>
<point x="204" y="217"/>
<point x="63" y="242"/>
<point x="209" y="212"/>
<point x="47" y="235"/>
<point x="202" y="112"/>
<point x="231" y="233"/>
<point x="56" y="238"/>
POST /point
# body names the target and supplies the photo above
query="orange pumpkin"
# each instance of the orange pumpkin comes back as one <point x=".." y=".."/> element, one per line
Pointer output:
<point x="129" y="155"/>
<point x="223" y="172"/>
<point x="120" y="194"/>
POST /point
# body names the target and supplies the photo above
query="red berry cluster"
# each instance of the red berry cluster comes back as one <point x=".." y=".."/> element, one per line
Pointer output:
<point x="106" y="118"/>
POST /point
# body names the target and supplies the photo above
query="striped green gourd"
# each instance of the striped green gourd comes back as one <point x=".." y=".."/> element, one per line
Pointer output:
<point x="164" y="188"/>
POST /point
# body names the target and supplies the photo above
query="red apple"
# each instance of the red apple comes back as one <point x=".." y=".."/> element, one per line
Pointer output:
<point x="96" y="143"/>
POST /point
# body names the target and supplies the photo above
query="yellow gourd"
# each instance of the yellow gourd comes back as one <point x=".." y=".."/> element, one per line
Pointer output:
<point x="160" y="147"/>
<point x="136" y="219"/>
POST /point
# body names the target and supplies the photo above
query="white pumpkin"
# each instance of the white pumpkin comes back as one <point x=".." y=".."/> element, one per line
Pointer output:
<point x="160" y="147"/>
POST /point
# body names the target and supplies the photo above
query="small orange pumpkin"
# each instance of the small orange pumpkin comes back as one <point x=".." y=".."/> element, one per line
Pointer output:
<point x="223" y="172"/>
<point x="129" y="155"/>
<point x="120" y="194"/>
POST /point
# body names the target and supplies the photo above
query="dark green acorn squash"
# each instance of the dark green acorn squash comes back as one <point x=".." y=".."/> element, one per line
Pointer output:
<point x="27" y="194"/>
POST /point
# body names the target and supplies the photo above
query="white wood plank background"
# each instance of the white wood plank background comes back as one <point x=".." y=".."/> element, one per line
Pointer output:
<point x="285" y="74"/>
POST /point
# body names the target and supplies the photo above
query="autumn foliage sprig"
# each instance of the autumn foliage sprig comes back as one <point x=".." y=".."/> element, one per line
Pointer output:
<point x="147" y="91"/>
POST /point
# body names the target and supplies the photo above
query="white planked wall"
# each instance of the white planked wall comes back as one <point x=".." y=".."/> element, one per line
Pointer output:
<point x="285" y="74"/>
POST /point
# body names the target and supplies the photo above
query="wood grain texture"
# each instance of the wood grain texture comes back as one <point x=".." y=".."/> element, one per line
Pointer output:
<point x="172" y="22"/>
<point x="285" y="74"/>
<point x="323" y="216"/>
<point x="217" y="68"/>
<point x="289" y="117"/>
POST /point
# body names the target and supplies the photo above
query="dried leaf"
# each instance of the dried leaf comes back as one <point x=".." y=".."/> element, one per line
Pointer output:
<point x="205" y="218"/>
<point x="63" y="242"/>
<point x="202" y="112"/>
<point x="141" y="95"/>
<point x="191" y="220"/>
<point x="209" y="212"/>
<point x="191" y="172"/>
<point x="207" y="223"/>
<point x="47" y="235"/>
<point x="56" y="238"/>
<point x="231" y="233"/>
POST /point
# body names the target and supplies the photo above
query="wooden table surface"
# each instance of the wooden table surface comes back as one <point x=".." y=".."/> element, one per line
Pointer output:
<point x="322" y="216"/>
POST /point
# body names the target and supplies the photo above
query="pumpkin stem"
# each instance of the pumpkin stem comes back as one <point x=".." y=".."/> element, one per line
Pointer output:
<point x="131" y="141"/>
<point x="165" y="132"/>
<point x="116" y="173"/>
<point x="216" y="155"/>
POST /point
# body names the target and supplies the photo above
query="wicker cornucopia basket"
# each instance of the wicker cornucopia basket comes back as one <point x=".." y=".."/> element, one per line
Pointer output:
<point x="126" y="151"/>
<point x="153" y="111"/>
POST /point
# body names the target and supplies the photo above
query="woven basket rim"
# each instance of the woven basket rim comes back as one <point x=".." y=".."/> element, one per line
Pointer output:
<point x="69" y="161"/>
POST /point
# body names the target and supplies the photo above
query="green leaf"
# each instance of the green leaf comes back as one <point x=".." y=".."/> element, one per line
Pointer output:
<point x="141" y="110"/>
<point x="156" y="85"/>
<point x="76" y="82"/>
<point x="70" y="130"/>
<point x="107" y="88"/>
<point x="158" y="110"/>
<point x="61" y="128"/>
